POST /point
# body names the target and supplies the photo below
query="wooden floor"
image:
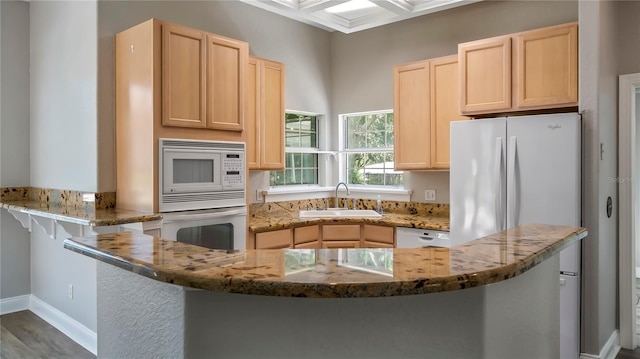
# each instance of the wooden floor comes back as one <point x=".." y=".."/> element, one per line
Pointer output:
<point x="628" y="354"/>
<point x="25" y="335"/>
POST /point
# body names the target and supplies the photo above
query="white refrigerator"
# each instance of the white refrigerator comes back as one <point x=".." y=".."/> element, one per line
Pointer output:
<point x="516" y="170"/>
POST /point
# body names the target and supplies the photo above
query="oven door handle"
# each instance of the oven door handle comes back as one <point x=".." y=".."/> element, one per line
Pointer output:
<point x="204" y="216"/>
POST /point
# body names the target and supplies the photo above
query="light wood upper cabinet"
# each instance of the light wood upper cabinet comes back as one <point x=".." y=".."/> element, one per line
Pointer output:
<point x="530" y="70"/>
<point x="411" y="126"/>
<point x="426" y="99"/>
<point x="183" y="76"/>
<point x="445" y="97"/>
<point x="485" y="75"/>
<point x="547" y="67"/>
<point x="203" y="79"/>
<point x="265" y="112"/>
<point x="226" y="72"/>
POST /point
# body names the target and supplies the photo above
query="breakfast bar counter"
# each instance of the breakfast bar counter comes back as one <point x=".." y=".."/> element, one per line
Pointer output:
<point x="495" y="297"/>
<point x="332" y="273"/>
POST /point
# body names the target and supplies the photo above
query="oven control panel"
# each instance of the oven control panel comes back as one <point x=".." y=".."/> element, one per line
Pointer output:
<point x="233" y="170"/>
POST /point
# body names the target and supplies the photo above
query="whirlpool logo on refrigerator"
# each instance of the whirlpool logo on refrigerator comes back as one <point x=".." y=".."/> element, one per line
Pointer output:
<point x="554" y="127"/>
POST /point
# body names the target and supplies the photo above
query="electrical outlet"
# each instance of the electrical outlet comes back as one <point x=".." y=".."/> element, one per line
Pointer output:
<point x="70" y="291"/>
<point x="430" y="195"/>
<point x="259" y="195"/>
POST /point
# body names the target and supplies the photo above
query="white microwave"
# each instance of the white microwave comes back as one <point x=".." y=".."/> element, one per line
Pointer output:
<point x="195" y="174"/>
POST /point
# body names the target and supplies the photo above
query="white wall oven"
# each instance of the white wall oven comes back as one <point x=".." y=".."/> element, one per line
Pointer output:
<point x="218" y="228"/>
<point x="202" y="192"/>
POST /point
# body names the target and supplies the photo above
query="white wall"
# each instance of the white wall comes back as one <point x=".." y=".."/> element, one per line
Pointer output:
<point x="599" y="53"/>
<point x="14" y="142"/>
<point x="64" y="95"/>
<point x="637" y="180"/>
<point x="361" y="63"/>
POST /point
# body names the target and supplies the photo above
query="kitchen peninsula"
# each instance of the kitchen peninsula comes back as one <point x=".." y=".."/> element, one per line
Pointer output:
<point x="493" y="297"/>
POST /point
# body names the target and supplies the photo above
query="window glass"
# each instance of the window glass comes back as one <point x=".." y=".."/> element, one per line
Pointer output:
<point x="301" y="140"/>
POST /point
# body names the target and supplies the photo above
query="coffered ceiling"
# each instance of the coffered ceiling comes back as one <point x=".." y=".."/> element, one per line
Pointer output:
<point x="349" y="16"/>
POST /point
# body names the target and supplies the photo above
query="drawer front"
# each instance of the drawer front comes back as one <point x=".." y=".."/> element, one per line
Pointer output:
<point x="274" y="239"/>
<point x="381" y="234"/>
<point x="308" y="245"/>
<point x="369" y="244"/>
<point x="306" y="234"/>
<point x="341" y="232"/>
<point x="341" y="244"/>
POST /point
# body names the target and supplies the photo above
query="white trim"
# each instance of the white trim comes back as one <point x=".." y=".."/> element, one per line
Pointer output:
<point x="627" y="175"/>
<point x="609" y="350"/>
<point x="64" y="323"/>
<point x="14" y="304"/>
<point x="294" y="193"/>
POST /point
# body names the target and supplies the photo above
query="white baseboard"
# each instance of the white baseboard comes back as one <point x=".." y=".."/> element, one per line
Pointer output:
<point x="609" y="350"/>
<point x="64" y="323"/>
<point x="14" y="304"/>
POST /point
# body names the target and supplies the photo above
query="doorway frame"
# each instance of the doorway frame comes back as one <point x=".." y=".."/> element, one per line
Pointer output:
<point x="627" y="172"/>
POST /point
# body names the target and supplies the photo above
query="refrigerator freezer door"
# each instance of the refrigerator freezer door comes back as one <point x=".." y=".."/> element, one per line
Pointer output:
<point x="477" y="184"/>
<point x="544" y="175"/>
<point x="569" y="317"/>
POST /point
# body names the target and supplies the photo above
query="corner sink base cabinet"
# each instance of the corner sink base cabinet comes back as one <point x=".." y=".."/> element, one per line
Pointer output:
<point x="143" y="318"/>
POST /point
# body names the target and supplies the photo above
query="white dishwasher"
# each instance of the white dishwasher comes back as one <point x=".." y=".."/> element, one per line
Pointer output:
<point x="417" y="238"/>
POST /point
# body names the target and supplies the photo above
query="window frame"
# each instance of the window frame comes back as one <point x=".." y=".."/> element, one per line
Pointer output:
<point x="321" y="130"/>
<point x="343" y="152"/>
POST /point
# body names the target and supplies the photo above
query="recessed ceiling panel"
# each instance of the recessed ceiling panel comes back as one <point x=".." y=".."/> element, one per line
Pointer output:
<point x="354" y="15"/>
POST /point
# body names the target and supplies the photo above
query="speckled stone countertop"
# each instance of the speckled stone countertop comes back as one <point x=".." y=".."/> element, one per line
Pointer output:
<point x="80" y="215"/>
<point x="332" y="273"/>
<point x="281" y="215"/>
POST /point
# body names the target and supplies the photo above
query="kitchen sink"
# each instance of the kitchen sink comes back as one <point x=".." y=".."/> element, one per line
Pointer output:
<point x="338" y="212"/>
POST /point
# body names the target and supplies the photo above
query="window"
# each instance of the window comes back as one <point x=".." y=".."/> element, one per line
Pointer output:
<point x="301" y="151"/>
<point x="367" y="146"/>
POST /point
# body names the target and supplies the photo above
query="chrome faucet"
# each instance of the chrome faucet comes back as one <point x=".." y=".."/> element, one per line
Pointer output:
<point x="348" y="193"/>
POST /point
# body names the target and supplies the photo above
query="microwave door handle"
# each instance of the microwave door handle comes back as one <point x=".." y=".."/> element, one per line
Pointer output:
<point x="201" y="216"/>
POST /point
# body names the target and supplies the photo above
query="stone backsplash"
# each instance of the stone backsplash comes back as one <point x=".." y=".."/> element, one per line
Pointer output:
<point x="413" y="208"/>
<point x="59" y="197"/>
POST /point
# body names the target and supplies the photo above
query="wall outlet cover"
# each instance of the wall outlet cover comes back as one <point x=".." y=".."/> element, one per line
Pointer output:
<point x="430" y="195"/>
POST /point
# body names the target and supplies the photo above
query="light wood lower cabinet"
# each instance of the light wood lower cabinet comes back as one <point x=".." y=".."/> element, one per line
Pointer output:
<point x="274" y="240"/>
<point x="326" y="236"/>
<point x="378" y="236"/>
<point x="306" y="237"/>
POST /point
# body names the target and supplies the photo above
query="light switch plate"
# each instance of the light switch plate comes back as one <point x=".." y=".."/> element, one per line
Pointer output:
<point x="430" y="195"/>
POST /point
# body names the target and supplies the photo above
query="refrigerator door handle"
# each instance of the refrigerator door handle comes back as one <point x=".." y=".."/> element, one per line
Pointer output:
<point x="497" y="171"/>
<point x="513" y="190"/>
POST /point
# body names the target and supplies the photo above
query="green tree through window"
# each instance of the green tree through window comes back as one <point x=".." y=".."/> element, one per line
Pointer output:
<point x="301" y="164"/>
<point x="368" y="147"/>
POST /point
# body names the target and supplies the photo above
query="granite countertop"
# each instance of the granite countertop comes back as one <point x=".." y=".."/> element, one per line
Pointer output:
<point x="79" y="215"/>
<point x="332" y="273"/>
<point x="291" y="220"/>
<point x="282" y="215"/>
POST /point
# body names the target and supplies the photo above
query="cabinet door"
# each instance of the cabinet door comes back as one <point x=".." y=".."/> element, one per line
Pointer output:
<point x="272" y="115"/>
<point x="226" y="67"/>
<point x="485" y="75"/>
<point x="445" y="107"/>
<point x="411" y="124"/>
<point x="340" y="244"/>
<point x="252" y="114"/>
<point x="275" y="239"/>
<point x="306" y="234"/>
<point x="380" y="234"/>
<point x="547" y="67"/>
<point x="183" y="76"/>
